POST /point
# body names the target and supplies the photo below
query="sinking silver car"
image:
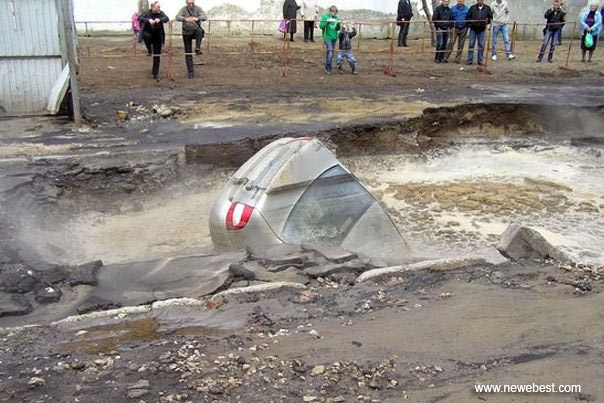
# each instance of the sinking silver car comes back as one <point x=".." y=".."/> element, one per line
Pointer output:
<point x="295" y="191"/>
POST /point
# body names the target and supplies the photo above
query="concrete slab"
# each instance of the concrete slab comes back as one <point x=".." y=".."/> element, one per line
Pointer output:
<point x="144" y="282"/>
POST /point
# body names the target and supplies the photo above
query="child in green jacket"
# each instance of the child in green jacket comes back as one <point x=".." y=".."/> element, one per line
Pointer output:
<point x="330" y="25"/>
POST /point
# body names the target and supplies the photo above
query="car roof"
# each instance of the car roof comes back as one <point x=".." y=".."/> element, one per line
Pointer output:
<point x="283" y="164"/>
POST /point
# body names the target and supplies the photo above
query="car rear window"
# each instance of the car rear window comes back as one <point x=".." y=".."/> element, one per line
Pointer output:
<point x="328" y="209"/>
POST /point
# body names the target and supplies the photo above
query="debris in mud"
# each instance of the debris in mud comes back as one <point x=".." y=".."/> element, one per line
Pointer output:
<point x="35" y="382"/>
<point x="121" y="116"/>
<point x="165" y="111"/>
<point x="522" y="243"/>
<point x="47" y="295"/>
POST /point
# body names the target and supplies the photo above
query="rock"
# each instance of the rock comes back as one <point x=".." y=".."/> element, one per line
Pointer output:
<point x="95" y="303"/>
<point x="306" y="297"/>
<point x="142" y="384"/>
<point x="290" y="275"/>
<point x="35" y="382"/>
<point x="165" y="111"/>
<point x="52" y="275"/>
<point x="47" y="295"/>
<point x="314" y="334"/>
<point x="300" y="366"/>
<point x="318" y="370"/>
<point x="14" y="304"/>
<point x="520" y="243"/>
<point x="137" y="393"/>
<point x="430" y="265"/>
<point x="309" y="398"/>
<point x="269" y="288"/>
<point x="17" y="278"/>
<point x="344" y="278"/>
<point x="255" y="271"/>
<point x="77" y="365"/>
<point x="249" y="271"/>
<point x="85" y="274"/>
<point x="335" y="254"/>
<point x="354" y="266"/>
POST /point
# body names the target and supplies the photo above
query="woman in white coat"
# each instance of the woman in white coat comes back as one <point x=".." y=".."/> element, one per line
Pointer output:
<point x="310" y="14"/>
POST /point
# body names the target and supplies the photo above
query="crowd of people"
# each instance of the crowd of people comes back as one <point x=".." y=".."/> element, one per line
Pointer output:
<point x="452" y="25"/>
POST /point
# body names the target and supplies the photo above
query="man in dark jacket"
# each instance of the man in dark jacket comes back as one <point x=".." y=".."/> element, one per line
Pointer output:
<point x="404" y="15"/>
<point x="191" y="17"/>
<point x="555" y="20"/>
<point x="443" y="23"/>
<point x="479" y="16"/>
<point x="290" y="10"/>
<point x="153" y="22"/>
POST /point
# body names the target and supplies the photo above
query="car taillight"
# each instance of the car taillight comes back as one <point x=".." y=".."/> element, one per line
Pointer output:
<point x="238" y="216"/>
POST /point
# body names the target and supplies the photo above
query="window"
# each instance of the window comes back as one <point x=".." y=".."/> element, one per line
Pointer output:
<point x="328" y="209"/>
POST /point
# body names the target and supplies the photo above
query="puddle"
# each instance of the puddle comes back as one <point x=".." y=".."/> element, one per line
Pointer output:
<point x="107" y="338"/>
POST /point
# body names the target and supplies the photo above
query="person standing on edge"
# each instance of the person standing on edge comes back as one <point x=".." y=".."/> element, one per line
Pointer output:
<point x="404" y="15"/>
<point x="290" y="10"/>
<point x="310" y="15"/>
<point x="443" y="23"/>
<point x="191" y="17"/>
<point x="501" y="18"/>
<point x="459" y="12"/>
<point x="555" y="19"/>
<point x="479" y="16"/>
<point x="559" y="36"/>
<point x="153" y="21"/>
<point x="136" y="28"/>
<point x="330" y="25"/>
<point x="602" y="15"/>
<point x="345" y="52"/>
<point x="591" y="23"/>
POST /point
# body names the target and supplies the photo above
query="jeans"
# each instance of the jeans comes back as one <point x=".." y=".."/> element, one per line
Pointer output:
<point x="506" y="39"/>
<point x="442" y="38"/>
<point x="187" y="38"/>
<point x="550" y="38"/>
<point x="476" y="36"/>
<point x="403" y="33"/>
<point x="330" y="46"/>
<point x="459" y="36"/>
<point x="559" y="36"/>
<point x="309" y="31"/>
<point x="346" y="54"/>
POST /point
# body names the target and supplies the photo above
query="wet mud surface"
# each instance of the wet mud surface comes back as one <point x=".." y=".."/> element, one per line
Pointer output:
<point x="332" y="342"/>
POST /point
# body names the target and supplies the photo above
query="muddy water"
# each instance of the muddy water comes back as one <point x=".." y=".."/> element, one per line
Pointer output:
<point x="464" y="197"/>
<point x="168" y="226"/>
<point x="451" y="200"/>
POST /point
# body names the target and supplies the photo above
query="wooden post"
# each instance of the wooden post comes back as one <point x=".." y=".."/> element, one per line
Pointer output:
<point x="513" y="37"/>
<point x="570" y="44"/>
<point x="69" y="54"/>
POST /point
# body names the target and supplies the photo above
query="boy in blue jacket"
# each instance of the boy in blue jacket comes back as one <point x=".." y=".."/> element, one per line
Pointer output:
<point x="460" y="30"/>
<point x="345" y="51"/>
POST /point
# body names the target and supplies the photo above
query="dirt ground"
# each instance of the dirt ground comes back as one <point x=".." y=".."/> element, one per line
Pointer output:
<point x="112" y="63"/>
